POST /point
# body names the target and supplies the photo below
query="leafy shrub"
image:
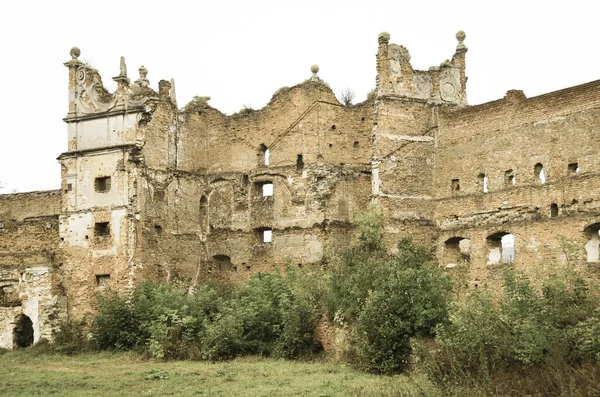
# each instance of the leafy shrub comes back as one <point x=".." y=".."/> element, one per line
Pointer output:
<point x="527" y="328"/>
<point x="586" y="338"/>
<point x="117" y="324"/>
<point x="409" y="300"/>
<point x="355" y="275"/>
<point x="72" y="338"/>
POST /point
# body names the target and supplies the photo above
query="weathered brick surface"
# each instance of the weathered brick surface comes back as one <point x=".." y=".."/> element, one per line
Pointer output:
<point x="150" y="191"/>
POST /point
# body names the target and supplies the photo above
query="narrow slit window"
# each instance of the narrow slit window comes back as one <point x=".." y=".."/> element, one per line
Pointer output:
<point x="539" y="175"/>
<point x="299" y="162"/>
<point x="483" y="182"/>
<point x="509" y="178"/>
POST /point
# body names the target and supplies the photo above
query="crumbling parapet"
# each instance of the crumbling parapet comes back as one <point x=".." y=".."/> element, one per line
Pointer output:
<point x="443" y="84"/>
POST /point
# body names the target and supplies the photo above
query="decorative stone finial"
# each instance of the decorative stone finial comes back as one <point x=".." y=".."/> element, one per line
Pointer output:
<point x="122" y="77"/>
<point x="460" y="36"/>
<point x="143" y="80"/>
<point x="123" y="68"/>
<point x="315" y="69"/>
<point x="384" y="37"/>
<point x="75" y="52"/>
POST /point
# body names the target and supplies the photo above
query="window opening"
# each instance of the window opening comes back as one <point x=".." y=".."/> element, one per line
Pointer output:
<point x="222" y="262"/>
<point x="553" y="210"/>
<point x="501" y="248"/>
<point x="356" y="144"/>
<point x="102" y="184"/>
<point x="455" y="185"/>
<point x="456" y="250"/>
<point x="264" y="189"/>
<point x="573" y="168"/>
<point x="264" y="155"/>
<point x="101" y="229"/>
<point x="267" y="235"/>
<point x="103" y="281"/>
<point x="538" y="172"/>
<point x="69" y="187"/>
<point x="509" y="177"/>
<point x="483" y="182"/>
<point x="267" y="190"/>
<point x="592" y="247"/>
<point x="299" y="162"/>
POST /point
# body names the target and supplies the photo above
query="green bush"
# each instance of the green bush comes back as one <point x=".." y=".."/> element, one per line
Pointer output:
<point x="528" y="328"/>
<point x="354" y="276"/>
<point x="72" y="338"/>
<point x="409" y="300"/>
<point x="269" y="315"/>
<point x="586" y="339"/>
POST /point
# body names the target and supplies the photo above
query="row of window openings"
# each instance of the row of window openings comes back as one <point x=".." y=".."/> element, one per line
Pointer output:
<point x="510" y="179"/>
<point x="265" y="156"/>
<point x="501" y="248"/>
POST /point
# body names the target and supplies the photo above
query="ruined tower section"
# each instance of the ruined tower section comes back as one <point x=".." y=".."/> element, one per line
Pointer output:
<point x="99" y="181"/>
<point x="404" y="133"/>
<point x="32" y="304"/>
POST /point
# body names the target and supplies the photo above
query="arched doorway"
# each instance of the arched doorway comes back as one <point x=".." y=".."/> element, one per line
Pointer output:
<point x="23" y="332"/>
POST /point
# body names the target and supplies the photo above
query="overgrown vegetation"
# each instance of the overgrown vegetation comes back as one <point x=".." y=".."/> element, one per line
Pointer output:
<point x="551" y="332"/>
<point x="539" y="338"/>
<point x="386" y="299"/>
<point x="267" y="316"/>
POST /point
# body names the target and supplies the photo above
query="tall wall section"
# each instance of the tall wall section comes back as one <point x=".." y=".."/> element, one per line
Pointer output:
<point x="297" y="170"/>
<point x="525" y="167"/>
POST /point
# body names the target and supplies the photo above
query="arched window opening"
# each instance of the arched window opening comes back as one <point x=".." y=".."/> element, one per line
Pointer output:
<point x="553" y="210"/>
<point x="23" y="332"/>
<point x="501" y="248"/>
<point x="538" y="172"/>
<point x="509" y="178"/>
<point x="592" y="246"/>
<point x="222" y="262"/>
<point x="456" y="250"/>
<point x="483" y="182"/>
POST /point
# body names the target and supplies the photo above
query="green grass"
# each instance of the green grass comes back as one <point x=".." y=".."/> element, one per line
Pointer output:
<point x="25" y="373"/>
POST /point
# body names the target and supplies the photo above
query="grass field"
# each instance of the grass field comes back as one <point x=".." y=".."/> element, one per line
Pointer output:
<point x="24" y="373"/>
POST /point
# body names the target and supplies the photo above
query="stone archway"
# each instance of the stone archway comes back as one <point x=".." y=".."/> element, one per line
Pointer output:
<point x="23" y="332"/>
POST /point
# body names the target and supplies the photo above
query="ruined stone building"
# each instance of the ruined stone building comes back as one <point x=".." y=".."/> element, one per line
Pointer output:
<point x="150" y="191"/>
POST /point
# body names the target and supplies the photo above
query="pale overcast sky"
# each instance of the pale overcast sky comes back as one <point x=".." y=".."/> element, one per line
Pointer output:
<point x="240" y="52"/>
